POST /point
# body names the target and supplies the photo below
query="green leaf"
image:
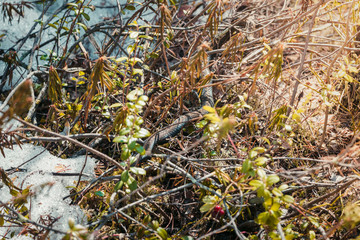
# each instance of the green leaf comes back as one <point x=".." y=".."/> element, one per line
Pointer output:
<point x="277" y="192"/>
<point x="132" y="159"/>
<point x="142" y="133"/>
<point x="116" y="105"/>
<point x="296" y="117"/>
<point x="86" y="16"/>
<point x="130" y="7"/>
<point x="283" y="187"/>
<point x="133" y="185"/>
<point x="118" y="185"/>
<point x="139" y="121"/>
<point x="125" y="176"/>
<point x="130" y="49"/>
<point x="261" y="173"/>
<point x="53" y="25"/>
<point x="120" y="139"/>
<point x="134" y="61"/>
<point x="246" y="166"/>
<point x="141" y="103"/>
<point x="314" y="221"/>
<point x="261" y="161"/>
<point x="121" y="59"/>
<point x="125" y="154"/>
<point x="144" y="98"/>
<point x="82" y="25"/>
<point x="201" y="123"/>
<point x="133" y="95"/>
<point x="72" y="5"/>
<point x="146" y="37"/>
<point x="206" y="207"/>
<point x="147" y="219"/>
<point x="133" y="35"/>
<point x="209" y="109"/>
<point x="129" y="121"/>
<point x="288" y="199"/>
<point x="137" y="71"/>
<point x="252" y="154"/>
<point x="272" y="179"/>
<point x="100" y="193"/>
<point x="266" y="140"/>
<point x="275" y="207"/>
<point x="187" y="238"/>
<point x="140" y="149"/>
<point x="212" y="117"/>
<point x="124" y="131"/>
<point x="44" y="57"/>
<point x="259" y="149"/>
<point x="208" y="199"/>
<point x="256" y="183"/>
<point x="166" y="43"/>
<point x="263" y="217"/>
<point x="312" y="235"/>
<point x="138" y="171"/>
<point x="71" y="223"/>
<point x="39" y="21"/>
<point x="266" y="193"/>
<point x="213" y="153"/>
<point x="132" y="145"/>
<point x="162" y="233"/>
<point x="155" y="224"/>
<point x="154" y="55"/>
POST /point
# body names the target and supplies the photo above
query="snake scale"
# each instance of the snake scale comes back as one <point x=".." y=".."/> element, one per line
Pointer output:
<point x="206" y="99"/>
<point x="172" y="130"/>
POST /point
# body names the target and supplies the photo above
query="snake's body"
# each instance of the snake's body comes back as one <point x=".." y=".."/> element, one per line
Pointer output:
<point x="172" y="130"/>
<point x="206" y="99"/>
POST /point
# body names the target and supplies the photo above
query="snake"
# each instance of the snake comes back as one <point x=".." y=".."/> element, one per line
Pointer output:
<point x="172" y="130"/>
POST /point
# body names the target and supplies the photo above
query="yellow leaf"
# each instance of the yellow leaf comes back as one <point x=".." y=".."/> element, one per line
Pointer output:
<point x="206" y="207"/>
<point x="209" y="109"/>
<point x="212" y="117"/>
<point x="296" y="117"/>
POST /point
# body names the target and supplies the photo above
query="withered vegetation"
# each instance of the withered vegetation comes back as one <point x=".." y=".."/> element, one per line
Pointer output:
<point x="275" y="157"/>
